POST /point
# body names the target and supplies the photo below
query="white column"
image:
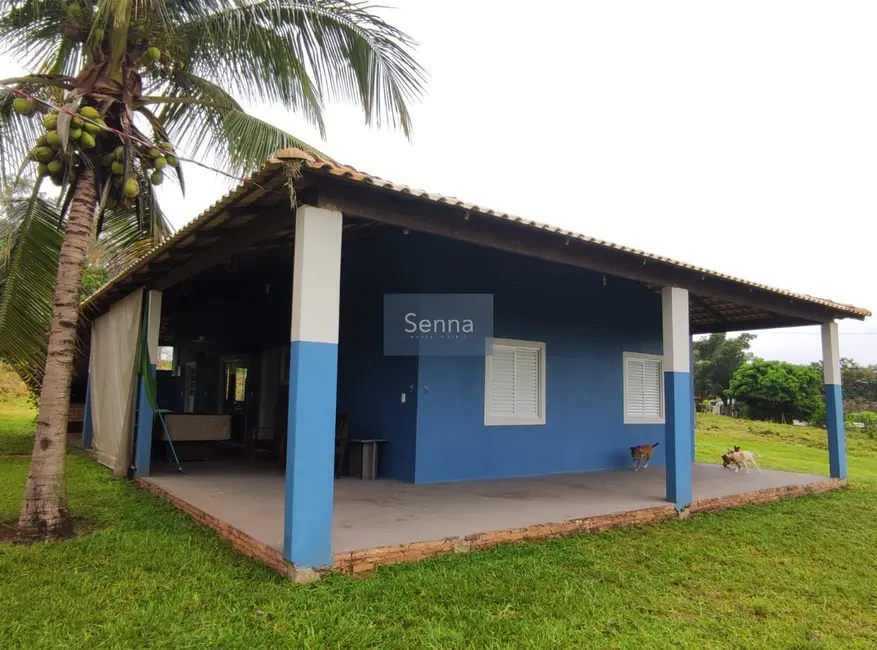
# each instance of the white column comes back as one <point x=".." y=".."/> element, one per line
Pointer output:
<point x="677" y="395"/>
<point x="313" y="372"/>
<point x="834" y="411"/>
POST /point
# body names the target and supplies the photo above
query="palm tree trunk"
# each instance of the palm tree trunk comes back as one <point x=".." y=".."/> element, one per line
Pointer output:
<point x="44" y="512"/>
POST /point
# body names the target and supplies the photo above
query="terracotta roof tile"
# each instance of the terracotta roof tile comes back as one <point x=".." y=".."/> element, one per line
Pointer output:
<point x="314" y="162"/>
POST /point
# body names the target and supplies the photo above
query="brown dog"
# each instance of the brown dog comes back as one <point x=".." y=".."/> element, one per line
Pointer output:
<point x="742" y="459"/>
<point x="641" y="455"/>
<point x="727" y="457"/>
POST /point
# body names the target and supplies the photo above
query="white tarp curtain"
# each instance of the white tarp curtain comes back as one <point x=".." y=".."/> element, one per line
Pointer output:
<point x="113" y="375"/>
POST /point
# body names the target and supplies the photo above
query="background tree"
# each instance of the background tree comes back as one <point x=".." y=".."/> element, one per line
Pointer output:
<point x="776" y="390"/>
<point x="136" y="82"/>
<point x="859" y="385"/>
<point x="716" y="359"/>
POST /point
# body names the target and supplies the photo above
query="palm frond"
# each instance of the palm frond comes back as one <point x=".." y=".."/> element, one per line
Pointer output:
<point x="299" y="52"/>
<point x="236" y="141"/>
<point x="27" y="287"/>
<point x="30" y="31"/>
<point x="124" y="238"/>
<point x="18" y="135"/>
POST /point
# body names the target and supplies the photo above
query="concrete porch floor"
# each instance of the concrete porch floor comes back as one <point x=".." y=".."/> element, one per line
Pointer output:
<point x="370" y="514"/>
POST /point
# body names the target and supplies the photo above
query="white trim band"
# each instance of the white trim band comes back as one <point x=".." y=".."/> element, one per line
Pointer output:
<point x="830" y="354"/>
<point x="677" y="341"/>
<point x="316" y="279"/>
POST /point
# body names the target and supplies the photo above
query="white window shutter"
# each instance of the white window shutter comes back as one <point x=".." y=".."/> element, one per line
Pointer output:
<point x="515" y="383"/>
<point x="526" y="382"/>
<point x="643" y="376"/>
<point x="635" y="381"/>
<point x="652" y="388"/>
<point x="502" y="382"/>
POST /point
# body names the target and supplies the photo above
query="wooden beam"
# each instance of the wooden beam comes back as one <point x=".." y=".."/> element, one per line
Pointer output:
<point x="749" y="325"/>
<point x="265" y="225"/>
<point x="703" y="304"/>
<point x="421" y="215"/>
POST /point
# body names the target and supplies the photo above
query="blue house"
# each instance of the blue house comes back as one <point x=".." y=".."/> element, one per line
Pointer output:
<point x="285" y="324"/>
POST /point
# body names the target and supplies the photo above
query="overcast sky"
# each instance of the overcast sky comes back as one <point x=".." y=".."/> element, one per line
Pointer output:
<point x="738" y="136"/>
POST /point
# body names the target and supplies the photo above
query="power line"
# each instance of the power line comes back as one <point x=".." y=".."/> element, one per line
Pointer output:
<point x="124" y="136"/>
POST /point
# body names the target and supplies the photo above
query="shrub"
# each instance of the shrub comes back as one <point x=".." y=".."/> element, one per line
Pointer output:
<point x="11" y="386"/>
<point x="819" y="417"/>
<point x="867" y="421"/>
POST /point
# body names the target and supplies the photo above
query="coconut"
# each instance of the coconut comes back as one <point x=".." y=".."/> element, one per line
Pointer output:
<point x="152" y="54"/>
<point x="99" y="34"/>
<point x="89" y="112"/>
<point x="160" y="163"/>
<point x="75" y="9"/>
<point x="75" y="133"/>
<point x="42" y="141"/>
<point x="117" y="167"/>
<point x="23" y="106"/>
<point x="156" y="178"/>
<point x="172" y="160"/>
<point x="119" y="153"/>
<point x="55" y="167"/>
<point x="42" y="169"/>
<point x="50" y="121"/>
<point x="131" y="189"/>
<point x="54" y="139"/>
<point x="44" y="154"/>
<point x="86" y="141"/>
<point x="154" y="153"/>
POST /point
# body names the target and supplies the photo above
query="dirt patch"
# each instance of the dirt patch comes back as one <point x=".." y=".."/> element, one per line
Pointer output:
<point x="9" y="533"/>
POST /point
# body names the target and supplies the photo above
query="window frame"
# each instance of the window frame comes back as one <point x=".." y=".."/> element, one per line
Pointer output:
<point x="628" y="419"/>
<point x="540" y="419"/>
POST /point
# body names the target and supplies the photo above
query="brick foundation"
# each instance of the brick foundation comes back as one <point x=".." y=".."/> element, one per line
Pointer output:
<point x="358" y="562"/>
<point x="765" y="496"/>
<point x="361" y="561"/>
<point x="242" y="542"/>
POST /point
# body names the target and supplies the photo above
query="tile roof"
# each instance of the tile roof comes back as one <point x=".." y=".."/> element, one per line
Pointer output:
<point x="326" y="165"/>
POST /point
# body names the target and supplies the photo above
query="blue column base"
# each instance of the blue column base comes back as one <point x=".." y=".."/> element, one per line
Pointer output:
<point x="837" y="446"/>
<point x="143" y="435"/>
<point x="310" y="454"/>
<point x="678" y="437"/>
<point x="693" y="412"/>
<point x="87" y="427"/>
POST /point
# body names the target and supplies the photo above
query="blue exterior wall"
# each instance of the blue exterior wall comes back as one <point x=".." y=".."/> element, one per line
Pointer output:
<point x="438" y="432"/>
<point x="585" y="325"/>
<point x="370" y="385"/>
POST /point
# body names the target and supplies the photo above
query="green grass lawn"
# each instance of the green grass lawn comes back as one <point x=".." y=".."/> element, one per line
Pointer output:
<point x="16" y="427"/>
<point x="798" y="574"/>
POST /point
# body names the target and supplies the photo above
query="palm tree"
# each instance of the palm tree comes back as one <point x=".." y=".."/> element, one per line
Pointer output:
<point x="120" y="88"/>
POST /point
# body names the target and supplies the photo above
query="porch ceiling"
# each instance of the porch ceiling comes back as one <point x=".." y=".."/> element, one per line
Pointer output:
<point x="254" y="219"/>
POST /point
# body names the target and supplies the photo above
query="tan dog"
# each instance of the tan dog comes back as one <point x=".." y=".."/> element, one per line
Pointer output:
<point x="641" y="455"/>
<point x="742" y="459"/>
<point x="726" y="458"/>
